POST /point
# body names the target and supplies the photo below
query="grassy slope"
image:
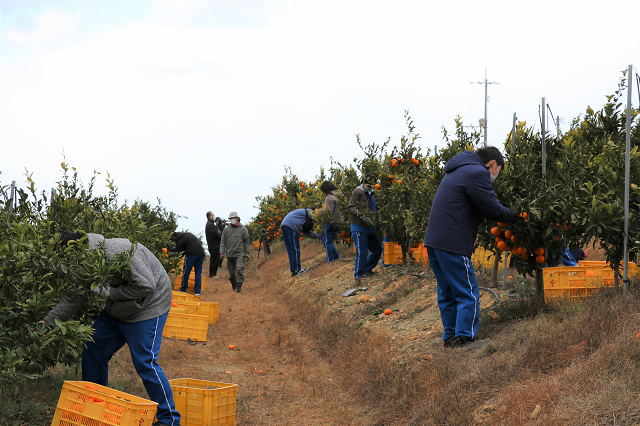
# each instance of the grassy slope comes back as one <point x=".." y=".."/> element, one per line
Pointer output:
<point x="565" y="365"/>
<point x="574" y="364"/>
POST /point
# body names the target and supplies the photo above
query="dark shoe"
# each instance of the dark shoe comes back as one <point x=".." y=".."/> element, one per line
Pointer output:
<point x="294" y="273"/>
<point x="158" y="423"/>
<point x="370" y="273"/>
<point x="362" y="278"/>
<point x="460" y="341"/>
<point x="447" y="343"/>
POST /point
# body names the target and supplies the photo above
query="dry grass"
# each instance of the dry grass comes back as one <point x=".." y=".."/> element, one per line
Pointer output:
<point x="571" y="364"/>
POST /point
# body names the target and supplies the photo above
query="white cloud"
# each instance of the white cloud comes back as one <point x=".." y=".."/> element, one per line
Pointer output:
<point x="51" y="26"/>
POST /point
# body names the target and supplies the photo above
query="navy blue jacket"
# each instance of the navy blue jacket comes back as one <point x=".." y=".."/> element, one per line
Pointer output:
<point x="464" y="197"/>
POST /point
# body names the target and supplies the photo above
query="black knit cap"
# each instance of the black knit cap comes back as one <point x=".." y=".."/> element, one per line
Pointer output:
<point x="369" y="178"/>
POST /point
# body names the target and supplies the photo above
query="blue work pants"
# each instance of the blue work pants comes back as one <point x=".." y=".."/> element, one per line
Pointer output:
<point x="458" y="293"/>
<point x="327" y="239"/>
<point x="144" y="339"/>
<point x="292" y="244"/>
<point x="192" y="262"/>
<point x="368" y="251"/>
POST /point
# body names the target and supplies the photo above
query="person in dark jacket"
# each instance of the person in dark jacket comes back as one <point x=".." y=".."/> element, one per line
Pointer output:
<point x="193" y="259"/>
<point x="213" y="233"/>
<point x="465" y="196"/>
<point x="299" y="221"/>
<point x="362" y="204"/>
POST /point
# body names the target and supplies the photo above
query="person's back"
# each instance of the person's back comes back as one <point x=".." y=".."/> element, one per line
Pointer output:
<point x="135" y="312"/>
<point x="188" y="243"/>
<point x="463" y="198"/>
<point x="190" y="246"/>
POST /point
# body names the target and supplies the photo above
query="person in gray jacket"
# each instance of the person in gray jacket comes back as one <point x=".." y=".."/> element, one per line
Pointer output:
<point x="135" y="312"/>
<point x="330" y="229"/>
<point x="236" y="245"/>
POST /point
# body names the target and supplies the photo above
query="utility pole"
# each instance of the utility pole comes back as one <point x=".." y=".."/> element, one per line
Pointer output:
<point x="543" y="134"/>
<point x="558" y="121"/>
<point x="483" y="121"/>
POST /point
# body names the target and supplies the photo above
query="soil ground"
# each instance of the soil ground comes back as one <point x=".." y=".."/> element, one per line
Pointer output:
<point x="282" y="375"/>
<point x="281" y="378"/>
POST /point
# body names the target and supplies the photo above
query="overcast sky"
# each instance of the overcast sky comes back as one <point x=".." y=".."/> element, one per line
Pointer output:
<point x="203" y="103"/>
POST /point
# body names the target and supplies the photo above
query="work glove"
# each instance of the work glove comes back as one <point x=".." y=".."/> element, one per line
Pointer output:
<point x="246" y="254"/>
<point x="517" y="218"/>
<point x="366" y="221"/>
<point x="221" y="256"/>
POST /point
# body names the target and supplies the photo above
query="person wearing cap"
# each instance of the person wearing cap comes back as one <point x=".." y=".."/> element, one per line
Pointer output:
<point x="236" y="245"/>
<point x="362" y="205"/>
<point x="299" y="221"/>
<point x="190" y="245"/>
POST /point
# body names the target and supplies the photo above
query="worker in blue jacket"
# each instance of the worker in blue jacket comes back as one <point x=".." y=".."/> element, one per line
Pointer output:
<point x="299" y="221"/>
<point x="465" y="196"/>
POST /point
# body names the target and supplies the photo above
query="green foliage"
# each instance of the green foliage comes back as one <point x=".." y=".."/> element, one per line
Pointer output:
<point x="580" y="199"/>
<point x="35" y="272"/>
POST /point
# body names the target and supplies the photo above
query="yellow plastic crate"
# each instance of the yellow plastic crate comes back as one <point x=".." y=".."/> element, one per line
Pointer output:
<point x="186" y="327"/>
<point x="483" y="259"/>
<point x="191" y="284"/>
<point x="425" y="256"/>
<point x="208" y="309"/>
<point x="116" y="408"/>
<point x="579" y="282"/>
<point x="180" y="296"/>
<point x="187" y="307"/>
<point x="204" y="403"/>
<point x="393" y="253"/>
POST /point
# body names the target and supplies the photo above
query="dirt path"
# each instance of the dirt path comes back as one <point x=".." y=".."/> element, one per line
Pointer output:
<point x="281" y="378"/>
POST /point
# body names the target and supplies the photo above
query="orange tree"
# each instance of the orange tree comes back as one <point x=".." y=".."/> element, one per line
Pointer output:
<point x="522" y="188"/>
<point x="580" y="199"/>
<point x="601" y="136"/>
<point x="36" y="273"/>
<point x="402" y="204"/>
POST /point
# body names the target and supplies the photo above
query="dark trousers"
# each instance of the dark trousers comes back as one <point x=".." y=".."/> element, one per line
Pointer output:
<point x="235" y="266"/>
<point x="192" y="262"/>
<point x="144" y="339"/>
<point x="214" y="262"/>
<point x="292" y="244"/>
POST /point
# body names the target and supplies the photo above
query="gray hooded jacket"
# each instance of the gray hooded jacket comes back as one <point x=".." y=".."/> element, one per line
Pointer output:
<point x="142" y="293"/>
